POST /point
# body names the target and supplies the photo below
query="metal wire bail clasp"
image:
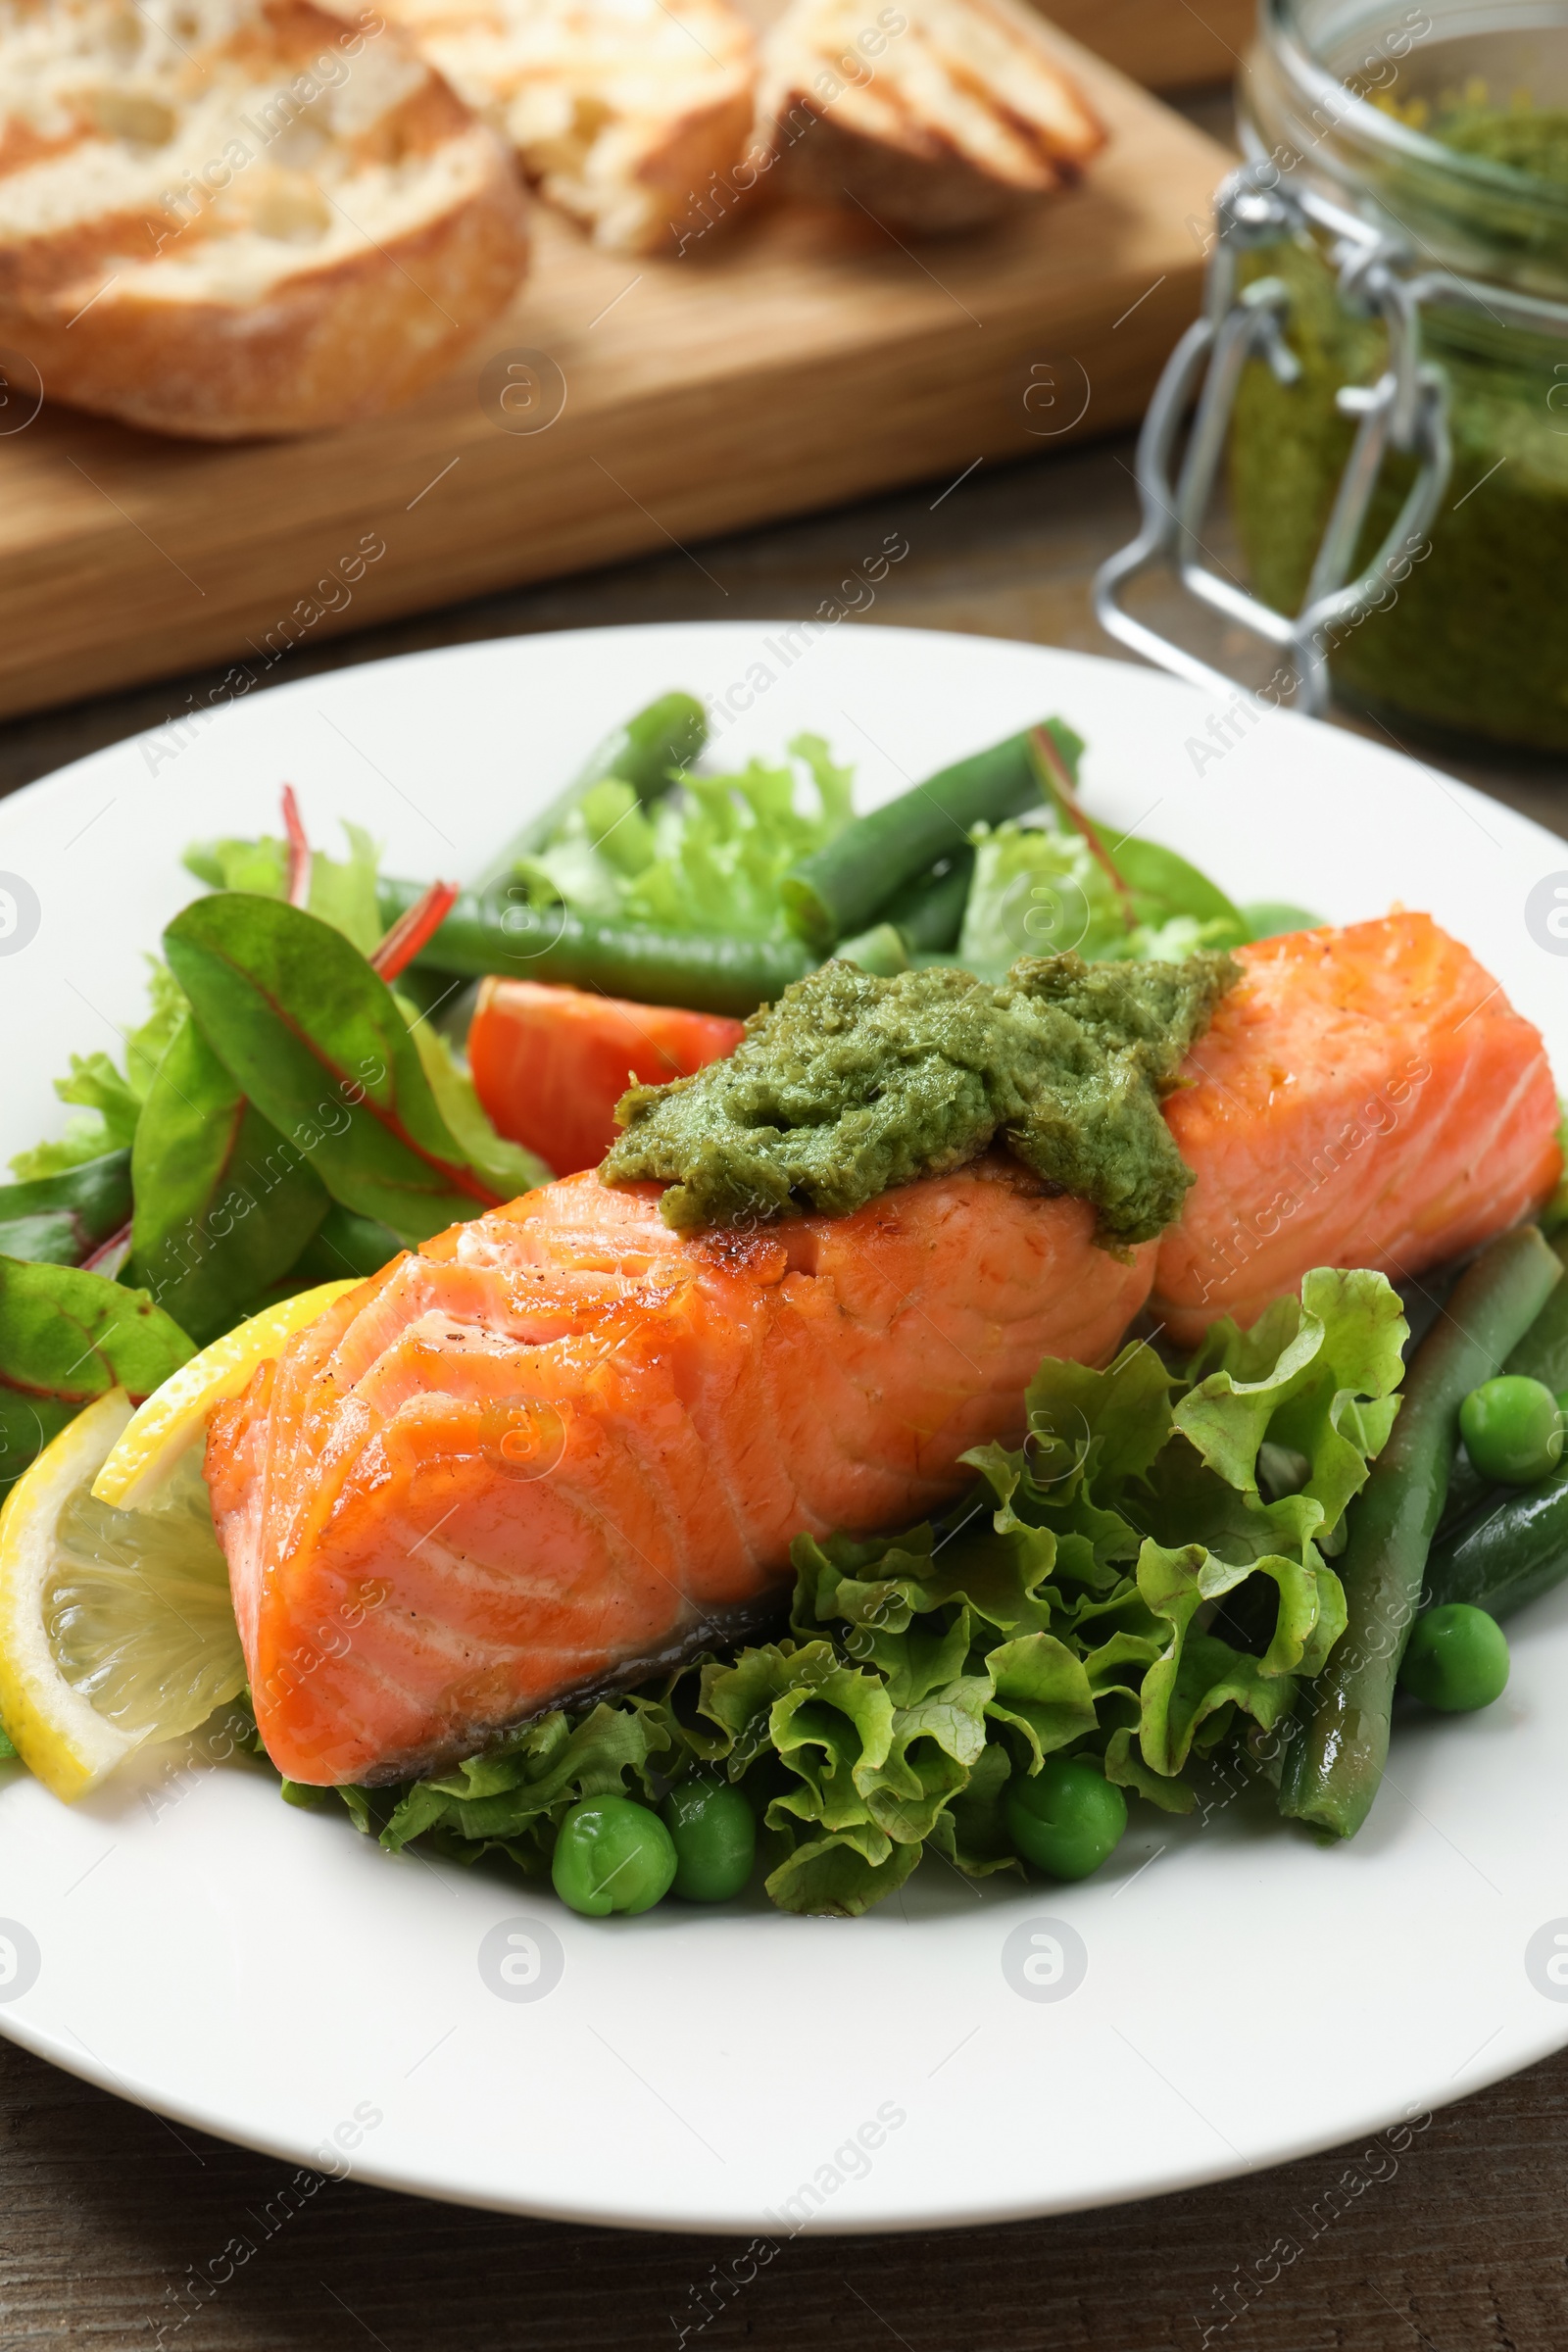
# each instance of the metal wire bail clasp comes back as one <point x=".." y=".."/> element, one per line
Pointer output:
<point x="1405" y="409"/>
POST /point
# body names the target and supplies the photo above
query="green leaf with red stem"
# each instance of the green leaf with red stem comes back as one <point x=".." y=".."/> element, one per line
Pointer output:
<point x="224" y="1206"/>
<point x="62" y="1219"/>
<point x="1059" y="783"/>
<point x="67" y="1337"/>
<point x="1152" y="884"/>
<point x="314" y="1038"/>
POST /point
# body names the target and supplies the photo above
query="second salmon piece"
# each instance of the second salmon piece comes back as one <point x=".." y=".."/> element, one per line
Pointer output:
<point x="1365" y="1098"/>
<point x="564" y="1443"/>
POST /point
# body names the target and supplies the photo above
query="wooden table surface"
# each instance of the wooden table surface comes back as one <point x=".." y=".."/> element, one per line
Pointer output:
<point x="1460" y="2244"/>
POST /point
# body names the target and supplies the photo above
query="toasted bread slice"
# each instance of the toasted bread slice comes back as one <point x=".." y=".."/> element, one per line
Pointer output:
<point x="932" y="113"/>
<point x="617" y="109"/>
<point x="235" y="217"/>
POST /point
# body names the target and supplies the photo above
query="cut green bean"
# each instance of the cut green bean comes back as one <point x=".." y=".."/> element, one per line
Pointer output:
<point x="1335" y="1762"/>
<point x="928" y="913"/>
<point x="707" y="972"/>
<point x="881" y="951"/>
<point x="646" y="753"/>
<point x="840" y="889"/>
<point x="1507" y="1553"/>
<point x="922" y="921"/>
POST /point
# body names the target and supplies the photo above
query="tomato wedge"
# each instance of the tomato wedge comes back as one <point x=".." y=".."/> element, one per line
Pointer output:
<point x="551" y="1064"/>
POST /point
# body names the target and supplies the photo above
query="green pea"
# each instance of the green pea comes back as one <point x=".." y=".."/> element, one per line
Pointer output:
<point x="612" y="1854"/>
<point x="1456" y="1659"/>
<point x="715" y="1834"/>
<point x="1065" y="1818"/>
<point x="1512" y="1430"/>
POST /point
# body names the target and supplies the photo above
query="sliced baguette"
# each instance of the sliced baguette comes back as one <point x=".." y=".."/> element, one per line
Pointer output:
<point x="240" y="216"/>
<point x="617" y="109"/>
<point x="933" y="114"/>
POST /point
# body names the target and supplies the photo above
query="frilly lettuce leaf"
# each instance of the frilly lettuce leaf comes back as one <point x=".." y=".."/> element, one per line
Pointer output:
<point x="1196" y="1676"/>
<point x="512" y="1797"/>
<point x="1316" y="1377"/>
<point x="1141" y="1583"/>
<point x="707" y="857"/>
<point x="342" y="889"/>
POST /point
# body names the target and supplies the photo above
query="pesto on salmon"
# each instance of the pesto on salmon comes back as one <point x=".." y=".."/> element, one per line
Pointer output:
<point x="852" y="1083"/>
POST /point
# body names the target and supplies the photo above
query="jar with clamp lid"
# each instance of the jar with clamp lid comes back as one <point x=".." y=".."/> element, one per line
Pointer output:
<point x="1382" y="371"/>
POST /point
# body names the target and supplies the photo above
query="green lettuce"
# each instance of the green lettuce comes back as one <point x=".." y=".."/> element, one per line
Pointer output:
<point x="1042" y="889"/>
<point x="342" y="889"/>
<point x="343" y="893"/>
<point x="511" y="1799"/>
<point x="707" y="857"/>
<point x="1145" y="1581"/>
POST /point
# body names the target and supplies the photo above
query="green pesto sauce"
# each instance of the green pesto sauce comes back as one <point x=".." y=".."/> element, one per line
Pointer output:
<point x="1474" y="638"/>
<point x="1532" y="139"/>
<point x="851" y="1084"/>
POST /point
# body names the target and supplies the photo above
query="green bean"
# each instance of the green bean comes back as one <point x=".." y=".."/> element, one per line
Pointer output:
<point x="928" y="913"/>
<point x="1509" y="1553"/>
<point x="920" y="921"/>
<point x="881" y="951"/>
<point x="644" y="754"/>
<point x="1541" y="1354"/>
<point x="1335" y="1762"/>
<point x="707" y="972"/>
<point x="840" y="889"/>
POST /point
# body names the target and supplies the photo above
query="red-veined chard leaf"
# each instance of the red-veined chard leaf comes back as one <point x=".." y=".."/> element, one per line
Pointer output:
<point x="67" y="1337"/>
<point x="224" y="1205"/>
<point x="315" y="1039"/>
<point x="60" y="1220"/>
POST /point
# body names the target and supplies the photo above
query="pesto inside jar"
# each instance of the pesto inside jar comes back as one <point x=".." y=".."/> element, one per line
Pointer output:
<point x="851" y="1083"/>
<point x="1527" y="138"/>
<point x="1474" y="638"/>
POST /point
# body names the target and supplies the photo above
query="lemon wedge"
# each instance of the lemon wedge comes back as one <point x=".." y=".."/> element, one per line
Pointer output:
<point x="116" y="1627"/>
<point x="174" y="1419"/>
<point x="116" y="1630"/>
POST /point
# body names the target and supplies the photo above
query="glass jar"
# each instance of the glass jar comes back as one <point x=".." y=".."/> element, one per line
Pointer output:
<point x="1337" y="102"/>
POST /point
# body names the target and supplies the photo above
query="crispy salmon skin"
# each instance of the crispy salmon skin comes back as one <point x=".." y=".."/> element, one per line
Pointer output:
<point x="563" y="1442"/>
<point x="1366" y="1096"/>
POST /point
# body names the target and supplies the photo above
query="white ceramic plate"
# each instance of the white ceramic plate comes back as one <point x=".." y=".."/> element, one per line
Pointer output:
<point x="269" y="1976"/>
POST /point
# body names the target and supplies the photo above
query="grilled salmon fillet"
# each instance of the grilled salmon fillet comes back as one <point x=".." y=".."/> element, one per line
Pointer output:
<point x="564" y="1443"/>
<point x="1364" y="1098"/>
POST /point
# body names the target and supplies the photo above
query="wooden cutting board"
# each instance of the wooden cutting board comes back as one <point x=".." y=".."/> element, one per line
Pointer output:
<point x="779" y="364"/>
<point x="1166" y="44"/>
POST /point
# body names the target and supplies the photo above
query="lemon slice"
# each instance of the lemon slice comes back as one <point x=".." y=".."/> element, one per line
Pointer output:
<point x="174" y="1418"/>
<point x="116" y="1627"/>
